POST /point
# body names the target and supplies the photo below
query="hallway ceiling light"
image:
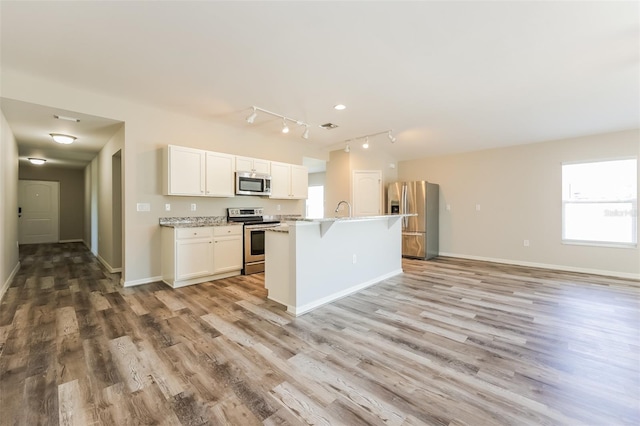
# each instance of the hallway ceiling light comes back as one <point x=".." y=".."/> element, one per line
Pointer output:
<point x="63" y="139"/>
<point x="37" y="161"/>
<point x="285" y="129"/>
<point x="339" y="107"/>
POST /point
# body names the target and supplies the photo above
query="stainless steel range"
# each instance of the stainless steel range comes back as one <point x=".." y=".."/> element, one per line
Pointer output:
<point x="255" y="224"/>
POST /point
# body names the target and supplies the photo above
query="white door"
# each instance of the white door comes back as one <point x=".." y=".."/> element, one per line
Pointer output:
<point x="367" y="192"/>
<point x="38" y="211"/>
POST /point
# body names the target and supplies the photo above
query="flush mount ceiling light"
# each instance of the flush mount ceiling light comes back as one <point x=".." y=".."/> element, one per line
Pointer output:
<point x="365" y="145"/>
<point x="285" y="129"/>
<point x="63" y="139"/>
<point x="37" y="161"/>
<point x="339" y="107"/>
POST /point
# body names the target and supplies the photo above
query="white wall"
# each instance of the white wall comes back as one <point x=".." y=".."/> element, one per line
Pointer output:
<point x="519" y="192"/>
<point x="147" y="130"/>
<point x="9" y="255"/>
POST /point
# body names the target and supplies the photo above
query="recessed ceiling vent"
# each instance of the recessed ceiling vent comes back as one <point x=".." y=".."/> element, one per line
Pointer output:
<point x="328" y="126"/>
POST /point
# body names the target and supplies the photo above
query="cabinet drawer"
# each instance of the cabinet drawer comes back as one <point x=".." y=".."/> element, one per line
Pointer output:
<point x="220" y="231"/>
<point x="183" y="233"/>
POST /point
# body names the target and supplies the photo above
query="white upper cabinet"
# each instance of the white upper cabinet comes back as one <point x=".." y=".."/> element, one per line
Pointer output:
<point x="195" y="172"/>
<point x="219" y="175"/>
<point x="185" y="171"/>
<point x="288" y="181"/>
<point x="255" y="165"/>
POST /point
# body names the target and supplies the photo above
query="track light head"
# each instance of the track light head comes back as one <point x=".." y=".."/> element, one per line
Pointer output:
<point x="391" y="137"/>
<point x="347" y="148"/>
<point x="365" y="145"/>
<point x="305" y="135"/>
<point x="285" y="128"/>
<point x="252" y="117"/>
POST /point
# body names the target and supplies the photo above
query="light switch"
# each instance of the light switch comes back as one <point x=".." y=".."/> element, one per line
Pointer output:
<point x="143" y="207"/>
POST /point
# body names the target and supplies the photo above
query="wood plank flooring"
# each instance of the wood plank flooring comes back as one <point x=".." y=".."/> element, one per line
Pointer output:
<point x="449" y="342"/>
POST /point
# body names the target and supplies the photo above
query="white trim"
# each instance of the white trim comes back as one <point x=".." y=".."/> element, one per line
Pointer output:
<point x="5" y="285"/>
<point x="141" y="281"/>
<point x="75" y="240"/>
<point x="603" y="272"/>
<point x="110" y="268"/>
<point x="340" y="294"/>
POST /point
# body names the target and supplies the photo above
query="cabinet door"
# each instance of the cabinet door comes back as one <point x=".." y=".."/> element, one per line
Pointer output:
<point x="280" y="180"/>
<point x="186" y="171"/>
<point x="244" y="164"/>
<point x="219" y="176"/>
<point x="227" y="254"/>
<point x="194" y="258"/>
<point x="261" y="166"/>
<point x="299" y="182"/>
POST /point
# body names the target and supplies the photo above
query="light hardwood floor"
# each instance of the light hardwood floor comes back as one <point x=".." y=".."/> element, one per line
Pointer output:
<point x="449" y="342"/>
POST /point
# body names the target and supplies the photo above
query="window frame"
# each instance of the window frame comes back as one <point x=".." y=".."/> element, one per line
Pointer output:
<point x="633" y="201"/>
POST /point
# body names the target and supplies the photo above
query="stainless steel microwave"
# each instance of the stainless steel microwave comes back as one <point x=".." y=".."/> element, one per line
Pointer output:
<point x="248" y="183"/>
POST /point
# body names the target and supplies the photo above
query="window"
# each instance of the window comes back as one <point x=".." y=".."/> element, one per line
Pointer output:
<point x="600" y="202"/>
<point x="315" y="202"/>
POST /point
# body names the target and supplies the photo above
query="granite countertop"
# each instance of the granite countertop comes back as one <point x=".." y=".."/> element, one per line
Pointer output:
<point x="281" y="228"/>
<point x="354" y="218"/>
<point x="194" y="222"/>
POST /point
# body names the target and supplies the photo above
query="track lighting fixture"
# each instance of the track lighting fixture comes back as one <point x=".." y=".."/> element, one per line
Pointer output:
<point x="347" y="148"/>
<point x="37" y="161"/>
<point x="252" y="117"/>
<point x="365" y="145"/>
<point x="63" y="139"/>
<point x="285" y="129"/>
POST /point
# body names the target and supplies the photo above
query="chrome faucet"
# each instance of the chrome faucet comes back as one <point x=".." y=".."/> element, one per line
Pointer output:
<point x="348" y="205"/>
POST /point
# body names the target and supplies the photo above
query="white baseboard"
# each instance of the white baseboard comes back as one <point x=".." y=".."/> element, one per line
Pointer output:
<point x="142" y="281"/>
<point x="77" y="240"/>
<point x="7" y="283"/>
<point x="299" y="310"/>
<point x="547" y="266"/>
<point x="111" y="269"/>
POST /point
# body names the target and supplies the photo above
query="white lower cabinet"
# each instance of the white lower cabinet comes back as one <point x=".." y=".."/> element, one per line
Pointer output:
<point x="227" y="249"/>
<point x="190" y="255"/>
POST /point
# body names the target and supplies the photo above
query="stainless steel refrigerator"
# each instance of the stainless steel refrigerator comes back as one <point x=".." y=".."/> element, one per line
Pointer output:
<point x="419" y="233"/>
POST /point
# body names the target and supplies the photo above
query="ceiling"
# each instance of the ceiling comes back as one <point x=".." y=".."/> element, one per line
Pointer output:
<point x="444" y="76"/>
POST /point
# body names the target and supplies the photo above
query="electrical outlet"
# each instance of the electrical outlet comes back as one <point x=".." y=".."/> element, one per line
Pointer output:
<point x="193" y="207"/>
<point x="278" y="207"/>
<point x="477" y="207"/>
<point x="355" y="259"/>
<point x="448" y="207"/>
<point x="167" y="207"/>
<point x="526" y="243"/>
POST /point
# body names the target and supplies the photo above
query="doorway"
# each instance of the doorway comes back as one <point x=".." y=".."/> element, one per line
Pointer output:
<point x="38" y="212"/>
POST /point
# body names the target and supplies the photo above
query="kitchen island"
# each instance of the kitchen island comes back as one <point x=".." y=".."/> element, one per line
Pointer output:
<point x="311" y="262"/>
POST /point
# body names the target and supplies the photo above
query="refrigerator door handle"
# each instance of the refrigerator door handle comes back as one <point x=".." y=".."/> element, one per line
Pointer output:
<point x="405" y="206"/>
